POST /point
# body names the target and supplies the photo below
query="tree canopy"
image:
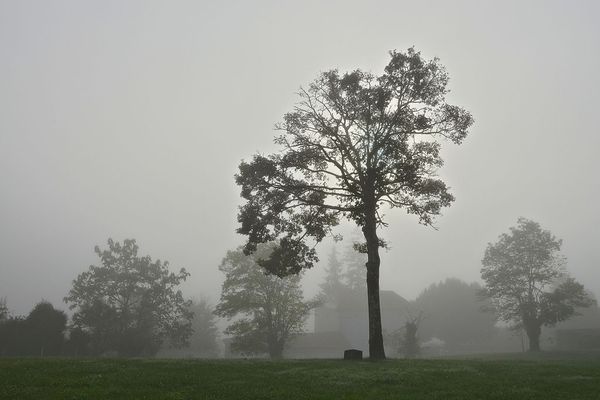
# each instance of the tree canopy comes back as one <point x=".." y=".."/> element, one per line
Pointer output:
<point x="130" y="304"/>
<point x="267" y="311"/>
<point x="355" y="142"/>
<point x="525" y="279"/>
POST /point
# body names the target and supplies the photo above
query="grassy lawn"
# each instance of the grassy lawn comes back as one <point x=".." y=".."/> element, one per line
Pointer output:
<point x="299" y="379"/>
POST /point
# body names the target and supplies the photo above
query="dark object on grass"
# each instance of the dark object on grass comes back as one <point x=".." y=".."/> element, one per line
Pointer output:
<point x="352" y="354"/>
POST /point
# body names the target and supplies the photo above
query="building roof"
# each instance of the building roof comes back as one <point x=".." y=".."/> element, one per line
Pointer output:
<point x="356" y="300"/>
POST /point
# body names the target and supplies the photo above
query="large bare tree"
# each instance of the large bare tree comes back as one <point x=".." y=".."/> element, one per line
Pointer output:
<point x="354" y="143"/>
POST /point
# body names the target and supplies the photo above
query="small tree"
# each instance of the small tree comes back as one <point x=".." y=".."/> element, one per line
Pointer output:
<point x="409" y="344"/>
<point x="269" y="310"/>
<point x="130" y="304"/>
<point x="354" y="144"/>
<point x="526" y="282"/>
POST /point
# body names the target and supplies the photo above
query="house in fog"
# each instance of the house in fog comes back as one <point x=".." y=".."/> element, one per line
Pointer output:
<point x="343" y="323"/>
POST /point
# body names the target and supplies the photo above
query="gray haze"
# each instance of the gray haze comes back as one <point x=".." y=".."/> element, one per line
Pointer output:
<point x="128" y="119"/>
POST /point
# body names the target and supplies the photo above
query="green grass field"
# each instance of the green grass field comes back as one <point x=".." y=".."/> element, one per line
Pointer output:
<point x="299" y="379"/>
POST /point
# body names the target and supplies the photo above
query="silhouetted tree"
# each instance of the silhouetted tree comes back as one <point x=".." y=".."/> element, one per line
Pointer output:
<point x="454" y="312"/>
<point x="8" y="330"/>
<point x="268" y="310"/>
<point x="13" y="337"/>
<point x="45" y="329"/>
<point x="78" y="343"/>
<point x="3" y="309"/>
<point x="130" y="304"/>
<point x="354" y="143"/>
<point x="40" y="334"/>
<point x="525" y="280"/>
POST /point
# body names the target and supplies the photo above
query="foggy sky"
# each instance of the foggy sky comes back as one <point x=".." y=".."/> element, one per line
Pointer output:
<point x="128" y="119"/>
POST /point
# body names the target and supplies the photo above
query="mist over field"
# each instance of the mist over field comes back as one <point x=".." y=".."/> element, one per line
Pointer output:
<point x="128" y="120"/>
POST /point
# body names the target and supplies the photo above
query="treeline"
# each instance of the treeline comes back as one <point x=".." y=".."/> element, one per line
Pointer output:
<point x="127" y="305"/>
<point x="40" y="333"/>
<point x="47" y="331"/>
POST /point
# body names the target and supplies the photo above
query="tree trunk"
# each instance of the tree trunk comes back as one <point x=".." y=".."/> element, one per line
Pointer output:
<point x="533" y="334"/>
<point x="376" y="350"/>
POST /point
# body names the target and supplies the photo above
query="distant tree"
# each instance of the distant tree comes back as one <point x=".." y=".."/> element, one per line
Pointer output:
<point x="349" y="272"/>
<point x="77" y="343"/>
<point x="39" y="334"/>
<point x="45" y="329"/>
<point x="355" y="270"/>
<point x="13" y="337"/>
<point x="10" y="330"/>
<point x="268" y="311"/>
<point x="353" y="144"/>
<point x="130" y="304"/>
<point x="584" y="318"/>
<point x="525" y="280"/>
<point x="3" y="309"/>
<point x="203" y="342"/>
<point x="454" y="312"/>
<point x="332" y="285"/>
<point x="409" y="343"/>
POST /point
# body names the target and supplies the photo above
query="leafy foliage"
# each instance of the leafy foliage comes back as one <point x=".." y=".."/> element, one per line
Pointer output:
<point x="268" y="310"/>
<point x="355" y="142"/>
<point x="130" y="304"/>
<point x="526" y="282"/>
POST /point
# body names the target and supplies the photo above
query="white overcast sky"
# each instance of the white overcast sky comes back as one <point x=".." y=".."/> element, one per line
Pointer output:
<point x="128" y="119"/>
